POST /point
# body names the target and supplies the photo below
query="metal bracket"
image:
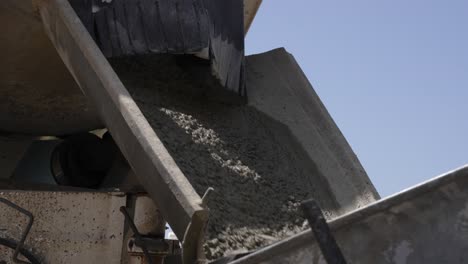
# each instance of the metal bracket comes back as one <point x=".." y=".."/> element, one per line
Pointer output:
<point x="138" y="238"/>
<point x="207" y="195"/>
<point x="25" y="232"/>
<point x="324" y="237"/>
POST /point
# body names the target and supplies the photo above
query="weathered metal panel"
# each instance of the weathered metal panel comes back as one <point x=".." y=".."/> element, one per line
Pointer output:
<point x="160" y="26"/>
<point x="227" y="43"/>
<point x="425" y="224"/>
<point x="69" y="227"/>
<point x="175" y="27"/>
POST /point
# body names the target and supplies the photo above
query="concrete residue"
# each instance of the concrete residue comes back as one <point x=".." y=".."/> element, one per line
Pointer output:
<point x="462" y="223"/>
<point x="259" y="172"/>
<point x="399" y="254"/>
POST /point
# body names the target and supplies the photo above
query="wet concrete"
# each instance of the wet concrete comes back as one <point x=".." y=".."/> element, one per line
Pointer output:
<point x="259" y="171"/>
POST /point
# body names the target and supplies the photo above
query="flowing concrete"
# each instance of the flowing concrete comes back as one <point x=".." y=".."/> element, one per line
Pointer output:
<point x="262" y="159"/>
<point x="259" y="172"/>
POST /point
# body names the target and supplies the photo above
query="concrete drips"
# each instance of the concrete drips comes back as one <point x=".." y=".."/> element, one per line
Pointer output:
<point x="259" y="172"/>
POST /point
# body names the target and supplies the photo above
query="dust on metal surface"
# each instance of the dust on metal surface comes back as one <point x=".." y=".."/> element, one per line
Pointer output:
<point x="69" y="227"/>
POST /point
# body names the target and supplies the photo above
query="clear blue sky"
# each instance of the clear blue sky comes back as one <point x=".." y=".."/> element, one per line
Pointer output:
<point x="393" y="74"/>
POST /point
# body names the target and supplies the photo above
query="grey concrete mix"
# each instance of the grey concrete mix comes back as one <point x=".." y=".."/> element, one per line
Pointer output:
<point x="259" y="171"/>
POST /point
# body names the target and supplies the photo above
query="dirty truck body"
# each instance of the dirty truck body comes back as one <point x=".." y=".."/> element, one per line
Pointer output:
<point x="56" y="80"/>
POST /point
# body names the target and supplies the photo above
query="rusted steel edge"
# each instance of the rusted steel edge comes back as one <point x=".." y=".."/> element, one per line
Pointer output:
<point x="157" y="171"/>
